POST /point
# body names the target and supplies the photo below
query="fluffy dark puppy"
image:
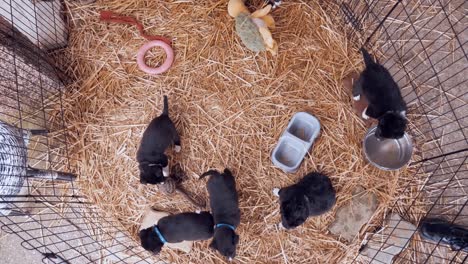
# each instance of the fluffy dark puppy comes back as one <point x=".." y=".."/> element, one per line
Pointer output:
<point x="444" y="232"/>
<point x="385" y="101"/>
<point x="158" y="136"/>
<point x="224" y="204"/>
<point x="177" y="228"/>
<point x="313" y="195"/>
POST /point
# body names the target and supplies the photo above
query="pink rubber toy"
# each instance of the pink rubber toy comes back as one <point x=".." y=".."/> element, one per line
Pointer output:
<point x="167" y="63"/>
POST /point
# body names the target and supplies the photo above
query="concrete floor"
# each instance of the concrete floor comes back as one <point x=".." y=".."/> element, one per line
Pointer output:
<point x="12" y="252"/>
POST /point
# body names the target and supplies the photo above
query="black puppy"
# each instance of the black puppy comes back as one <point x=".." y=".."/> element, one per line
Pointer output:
<point x="177" y="228"/>
<point x="385" y="101"/>
<point x="444" y="232"/>
<point x="313" y="195"/>
<point x="158" y="136"/>
<point x="224" y="204"/>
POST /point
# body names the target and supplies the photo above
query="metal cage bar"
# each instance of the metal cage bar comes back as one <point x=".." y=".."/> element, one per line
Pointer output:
<point x="39" y="201"/>
<point x="424" y="46"/>
<point x="422" y="43"/>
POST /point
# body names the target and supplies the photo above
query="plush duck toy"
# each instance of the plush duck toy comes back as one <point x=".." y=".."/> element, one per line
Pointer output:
<point x="253" y="29"/>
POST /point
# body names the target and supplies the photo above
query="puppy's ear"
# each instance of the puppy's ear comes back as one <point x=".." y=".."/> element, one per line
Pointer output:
<point x="213" y="245"/>
<point x="156" y="251"/>
<point x="142" y="180"/>
<point x="236" y="239"/>
<point x="163" y="161"/>
<point x="145" y="239"/>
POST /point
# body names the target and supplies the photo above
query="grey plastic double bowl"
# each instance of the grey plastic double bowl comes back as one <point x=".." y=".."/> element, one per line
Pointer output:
<point x="295" y="142"/>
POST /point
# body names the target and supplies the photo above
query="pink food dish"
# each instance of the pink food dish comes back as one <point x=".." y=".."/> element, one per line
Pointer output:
<point x="167" y="63"/>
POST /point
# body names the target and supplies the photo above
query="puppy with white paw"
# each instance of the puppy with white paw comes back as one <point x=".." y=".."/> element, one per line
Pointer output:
<point x="313" y="195"/>
<point x="385" y="101"/>
<point x="158" y="136"/>
<point x="273" y="3"/>
<point x="224" y="203"/>
<point x="177" y="228"/>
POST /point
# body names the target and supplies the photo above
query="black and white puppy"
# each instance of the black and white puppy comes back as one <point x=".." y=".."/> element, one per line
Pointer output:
<point x="273" y="3"/>
<point x="385" y="101"/>
<point x="177" y="228"/>
<point x="313" y="195"/>
<point x="158" y="136"/>
<point x="224" y="203"/>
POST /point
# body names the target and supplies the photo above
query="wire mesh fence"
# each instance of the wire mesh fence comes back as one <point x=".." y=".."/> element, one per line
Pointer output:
<point x="39" y="200"/>
<point x="424" y="45"/>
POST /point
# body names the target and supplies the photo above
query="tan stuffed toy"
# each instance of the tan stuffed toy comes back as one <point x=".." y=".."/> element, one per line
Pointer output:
<point x="253" y="29"/>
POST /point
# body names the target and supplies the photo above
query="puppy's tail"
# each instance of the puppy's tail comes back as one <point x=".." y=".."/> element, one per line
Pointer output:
<point x="166" y="106"/>
<point x="210" y="173"/>
<point x="367" y="57"/>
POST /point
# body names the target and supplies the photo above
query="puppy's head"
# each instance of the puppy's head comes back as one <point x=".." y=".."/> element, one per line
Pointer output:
<point x="150" y="240"/>
<point x="391" y="125"/>
<point x="294" y="211"/>
<point x="152" y="172"/>
<point x="225" y="241"/>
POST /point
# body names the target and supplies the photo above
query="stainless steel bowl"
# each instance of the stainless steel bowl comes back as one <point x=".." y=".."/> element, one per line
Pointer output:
<point x="387" y="154"/>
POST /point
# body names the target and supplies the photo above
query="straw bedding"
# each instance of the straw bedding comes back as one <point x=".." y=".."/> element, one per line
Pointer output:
<point x="230" y="106"/>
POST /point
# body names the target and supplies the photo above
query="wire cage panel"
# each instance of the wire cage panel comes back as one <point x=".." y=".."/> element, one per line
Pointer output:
<point x="69" y="231"/>
<point x="39" y="199"/>
<point x="424" y="46"/>
<point x="422" y="43"/>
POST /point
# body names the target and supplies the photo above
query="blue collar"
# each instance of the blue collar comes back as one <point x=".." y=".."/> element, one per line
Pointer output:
<point x="161" y="237"/>
<point x="225" y="225"/>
